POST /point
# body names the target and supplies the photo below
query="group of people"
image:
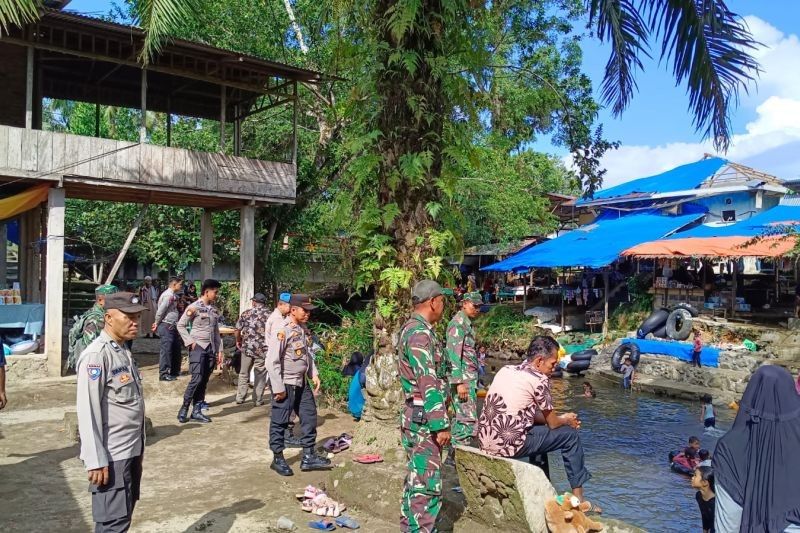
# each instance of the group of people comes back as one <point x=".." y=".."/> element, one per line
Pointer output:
<point x="439" y="384"/>
<point x="110" y="399"/>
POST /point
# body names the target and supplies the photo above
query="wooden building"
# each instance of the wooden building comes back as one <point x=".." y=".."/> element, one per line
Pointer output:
<point x="73" y="57"/>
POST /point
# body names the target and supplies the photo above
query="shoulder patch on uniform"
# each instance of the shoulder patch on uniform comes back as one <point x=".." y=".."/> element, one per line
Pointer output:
<point x="281" y="335"/>
<point x="190" y="311"/>
<point x="94" y="371"/>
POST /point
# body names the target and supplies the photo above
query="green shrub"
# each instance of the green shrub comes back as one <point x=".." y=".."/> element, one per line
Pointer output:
<point x="505" y="328"/>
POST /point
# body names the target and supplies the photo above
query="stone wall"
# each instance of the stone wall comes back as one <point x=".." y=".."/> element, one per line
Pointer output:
<point x="25" y="367"/>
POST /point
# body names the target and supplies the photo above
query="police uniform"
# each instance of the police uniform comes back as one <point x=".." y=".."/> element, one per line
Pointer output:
<point x="110" y="405"/>
<point x="290" y="365"/>
<point x="204" y="321"/>
<point x="422" y="369"/>
<point x="166" y="320"/>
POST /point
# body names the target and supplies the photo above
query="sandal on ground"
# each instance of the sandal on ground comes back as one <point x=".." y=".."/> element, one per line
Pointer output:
<point x="368" y="459"/>
<point x="309" y="493"/>
<point x="340" y="445"/>
<point x="347" y="522"/>
<point x="329" y="445"/>
<point x="322" y="525"/>
<point x="594" y="509"/>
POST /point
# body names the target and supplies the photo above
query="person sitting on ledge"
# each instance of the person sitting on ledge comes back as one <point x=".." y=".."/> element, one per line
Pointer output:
<point x="518" y="420"/>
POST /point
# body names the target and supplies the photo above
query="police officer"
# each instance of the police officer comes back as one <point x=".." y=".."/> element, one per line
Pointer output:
<point x="277" y="317"/>
<point x="290" y="364"/>
<point x="165" y="326"/>
<point x="424" y="426"/>
<point x="88" y="326"/>
<point x="205" y="345"/>
<point x="110" y="408"/>
<point x="463" y="365"/>
<point x="251" y="342"/>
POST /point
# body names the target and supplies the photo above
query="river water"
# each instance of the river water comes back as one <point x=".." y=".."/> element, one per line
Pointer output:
<point x="626" y="437"/>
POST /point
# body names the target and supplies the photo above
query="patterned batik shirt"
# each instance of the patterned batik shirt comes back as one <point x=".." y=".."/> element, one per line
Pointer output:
<point x="510" y="406"/>
<point x="420" y="359"/>
<point x="252" y="324"/>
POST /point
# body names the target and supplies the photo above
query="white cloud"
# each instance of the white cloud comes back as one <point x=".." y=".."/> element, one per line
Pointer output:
<point x="770" y="140"/>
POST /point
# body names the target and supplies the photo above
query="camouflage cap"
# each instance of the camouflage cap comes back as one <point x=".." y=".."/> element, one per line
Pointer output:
<point x="474" y="297"/>
<point x="106" y="289"/>
<point x="424" y="291"/>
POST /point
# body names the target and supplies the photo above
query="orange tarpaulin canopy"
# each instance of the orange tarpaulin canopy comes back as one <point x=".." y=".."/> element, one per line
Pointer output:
<point x="773" y="246"/>
<point x="24" y="201"/>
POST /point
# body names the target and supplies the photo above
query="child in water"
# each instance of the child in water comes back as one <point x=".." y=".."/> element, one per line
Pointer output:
<point x="705" y="457"/>
<point x="697" y="348"/>
<point x="692" y="450"/>
<point x="703" y="481"/>
<point x="707" y="413"/>
<point x="627" y="373"/>
<point x="588" y="391"/>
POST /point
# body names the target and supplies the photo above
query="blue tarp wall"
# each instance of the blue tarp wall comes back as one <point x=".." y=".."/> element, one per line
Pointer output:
<point x="594" y="245"/>
<point x="709" y="356"/>
<point x="766" y="222"/>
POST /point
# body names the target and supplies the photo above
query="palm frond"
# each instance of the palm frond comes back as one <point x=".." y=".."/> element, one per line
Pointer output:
<point x="709" y="48"/>
<point x="620" y="23"/>
<point x="18" y="13"/>
<point x="160" y="19"/>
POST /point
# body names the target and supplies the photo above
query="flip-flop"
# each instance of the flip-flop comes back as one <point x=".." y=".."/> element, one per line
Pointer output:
<point x="347" y="522"/>
<point x="368" y="459"/>
<point x="329" y="445"/>
<point x="322" y="525"/>
<point x="340" y="445"/>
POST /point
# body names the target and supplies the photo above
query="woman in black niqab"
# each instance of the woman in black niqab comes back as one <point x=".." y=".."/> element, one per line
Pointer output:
<point x="757" y="463"/>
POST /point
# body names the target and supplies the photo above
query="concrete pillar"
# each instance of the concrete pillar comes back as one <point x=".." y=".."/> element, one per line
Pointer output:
<point x="206" y="245"/>
<point x="247" y="256"/>
<point x="3" y="256"/>
<point x="143" y="123"/>
<point x="54" y="297"/>
<point x="29" y="90"/>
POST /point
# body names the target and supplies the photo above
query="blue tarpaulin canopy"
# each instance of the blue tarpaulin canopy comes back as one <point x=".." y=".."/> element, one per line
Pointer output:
<point x="766" y="222"/>
<point x="595" y="245"/>
<point x="682" y="178"/>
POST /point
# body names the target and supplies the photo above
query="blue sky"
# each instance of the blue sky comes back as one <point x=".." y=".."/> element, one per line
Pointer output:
<point x="656" y="130"/>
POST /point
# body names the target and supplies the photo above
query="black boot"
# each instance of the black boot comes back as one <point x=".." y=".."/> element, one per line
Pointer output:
<point x="198" y="416"/>
<point x="183" y="414"/>
<point x="312" y="461"/>
<point x="290" y="441"/>
<point x="280" y="465"/>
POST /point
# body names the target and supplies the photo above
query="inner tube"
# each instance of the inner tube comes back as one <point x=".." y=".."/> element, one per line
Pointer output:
<point x="679" y="325"/>
<point x="576" y="367"/>
<point x="688" y="307"/>
<point x="654" y="321"/>
<point x="583" y="355"/>
<point x="660" y="333"/>
<point x="557" y="373"/>
<point x="629" y="350"/>
<point x="680" y="464"/>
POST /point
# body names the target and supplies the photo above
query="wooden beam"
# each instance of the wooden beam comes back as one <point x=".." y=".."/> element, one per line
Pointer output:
<point x="247" y="256"/>
<point x="29" y="90"/>
<point x="223" y="93"/>
<point x="143" y="123"/>
<point x="128" y="241"/>
<point x="54" y="296"/>
<point x="206" y="245"/>
<point x="294" y="127"/>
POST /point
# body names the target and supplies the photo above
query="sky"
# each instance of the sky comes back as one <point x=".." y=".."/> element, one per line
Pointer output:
<point x="656" y="131"/>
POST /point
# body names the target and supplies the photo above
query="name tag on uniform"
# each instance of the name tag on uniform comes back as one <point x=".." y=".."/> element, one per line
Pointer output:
<point x="119" y="370"/>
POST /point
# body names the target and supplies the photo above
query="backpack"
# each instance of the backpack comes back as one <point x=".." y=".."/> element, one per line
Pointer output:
<point x="75" y="334"/>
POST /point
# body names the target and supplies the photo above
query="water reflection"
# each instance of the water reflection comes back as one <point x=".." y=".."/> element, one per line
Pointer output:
<point x="626" y="437"/>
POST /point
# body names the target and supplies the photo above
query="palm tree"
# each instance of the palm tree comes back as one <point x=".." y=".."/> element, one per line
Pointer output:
<point x="159" y="18"/>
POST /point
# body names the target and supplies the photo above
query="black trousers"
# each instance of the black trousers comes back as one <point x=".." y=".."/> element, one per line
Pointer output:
<point x="169" y="357"/>
<point x="301" y="401"/>
<point x="113" y="503"/>
<point x="201" y="363"/>
<point x="542" y="439"/>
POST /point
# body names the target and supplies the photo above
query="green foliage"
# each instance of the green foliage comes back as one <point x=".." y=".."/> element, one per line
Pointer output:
<point x="628" y="316"/>
<point x="228" y="302"/>
<point x="505" y="328"/>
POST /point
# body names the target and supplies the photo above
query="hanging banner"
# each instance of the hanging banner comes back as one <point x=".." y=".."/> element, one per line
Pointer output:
<point x="24" y="201"/>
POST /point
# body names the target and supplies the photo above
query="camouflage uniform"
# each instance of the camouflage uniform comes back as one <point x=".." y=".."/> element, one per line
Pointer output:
<point x="464" y="365"/>
<point x="421" y="369"/>
<point x="251" y="324"/>
<point x="88" y="327"/>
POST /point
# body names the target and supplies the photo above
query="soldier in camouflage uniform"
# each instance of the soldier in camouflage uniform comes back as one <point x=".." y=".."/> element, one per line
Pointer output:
<point x="251" y="342"/>
<point x="424" y="425"/>
<point x="88" y="327"/>
<point x="463" y="358"/>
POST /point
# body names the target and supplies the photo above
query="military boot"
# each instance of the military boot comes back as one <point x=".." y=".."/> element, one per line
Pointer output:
<point x="312" y="461"/>
<point x="183" y="414"/>
<point x="280" y="465"/>
<point x="198" y="416"/>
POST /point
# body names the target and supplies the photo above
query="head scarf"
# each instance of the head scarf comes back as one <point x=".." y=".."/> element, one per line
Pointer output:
<point x="356" y="360"/>
<point x="758" y="461"/>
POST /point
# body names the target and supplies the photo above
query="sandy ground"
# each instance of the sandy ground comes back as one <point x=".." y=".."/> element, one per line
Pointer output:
<point x="211" y="478"/>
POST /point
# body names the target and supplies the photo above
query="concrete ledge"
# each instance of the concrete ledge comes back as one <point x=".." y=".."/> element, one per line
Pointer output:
<point x="26" y="367"/>
<point x="503" y="494"/>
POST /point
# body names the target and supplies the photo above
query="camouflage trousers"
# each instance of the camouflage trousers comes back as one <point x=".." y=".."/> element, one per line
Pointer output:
<point x="466" y="415"/>
<point x="422" y="491"/>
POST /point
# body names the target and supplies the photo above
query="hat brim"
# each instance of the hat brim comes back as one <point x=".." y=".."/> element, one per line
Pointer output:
<point x="130" y="309"/>
<point x="308" y="307"/>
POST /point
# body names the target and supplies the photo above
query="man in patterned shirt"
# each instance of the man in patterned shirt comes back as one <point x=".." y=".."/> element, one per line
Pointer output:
<point x="251" y="342"/>
<point x="464" y="365"/>
<point x="424" y="427"/>
<point x="518" y="419"/>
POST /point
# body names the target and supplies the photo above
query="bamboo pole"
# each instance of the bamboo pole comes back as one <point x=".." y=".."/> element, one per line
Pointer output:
<point x="128" y="241"/>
